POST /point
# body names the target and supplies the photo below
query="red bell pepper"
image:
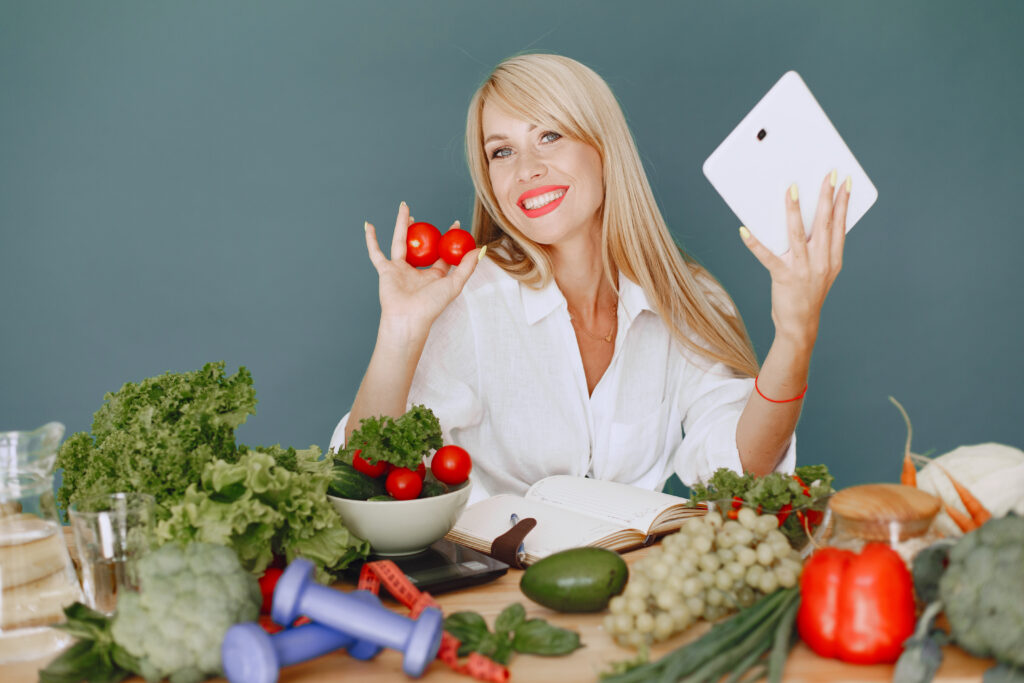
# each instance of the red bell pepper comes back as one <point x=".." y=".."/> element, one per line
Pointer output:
<point x="267" y="584"/>
<point x="857" y="607"/>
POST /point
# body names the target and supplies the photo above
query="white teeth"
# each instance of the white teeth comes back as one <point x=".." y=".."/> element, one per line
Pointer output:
<point x="541" y="200"/>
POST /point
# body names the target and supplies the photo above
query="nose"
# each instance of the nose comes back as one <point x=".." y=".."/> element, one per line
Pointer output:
<point x="529" y="167"/>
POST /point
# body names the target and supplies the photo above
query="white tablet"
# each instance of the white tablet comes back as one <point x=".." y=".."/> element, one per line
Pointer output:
<point x="786" y="138"/>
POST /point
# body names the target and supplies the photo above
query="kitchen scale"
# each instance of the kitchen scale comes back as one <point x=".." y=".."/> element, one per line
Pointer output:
<point x="441" y="567"/>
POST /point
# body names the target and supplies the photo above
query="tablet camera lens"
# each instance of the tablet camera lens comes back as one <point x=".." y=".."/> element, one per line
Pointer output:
<point x="761" y="133"/>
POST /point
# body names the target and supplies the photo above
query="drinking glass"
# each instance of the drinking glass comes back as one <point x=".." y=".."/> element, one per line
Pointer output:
<point x="111" y="533"/>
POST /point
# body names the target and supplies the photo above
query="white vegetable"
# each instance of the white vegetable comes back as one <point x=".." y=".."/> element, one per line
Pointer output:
<point x="993" y="472"/>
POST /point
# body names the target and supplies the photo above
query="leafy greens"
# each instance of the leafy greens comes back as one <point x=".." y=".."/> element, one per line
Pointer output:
<point x="808" y="489"/>
<point x="155" y="436"/>
<point x="261" y="509"/>
<point x="771" y="491"/>
<point x="173" y="436"/>
<point x="403" y="442"/>
<point x="513" y="632"/>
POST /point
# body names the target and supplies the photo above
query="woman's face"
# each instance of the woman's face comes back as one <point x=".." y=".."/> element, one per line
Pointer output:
<point x="548" y="185"/>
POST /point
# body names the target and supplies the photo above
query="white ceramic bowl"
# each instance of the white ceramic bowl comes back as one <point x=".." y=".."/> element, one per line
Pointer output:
<point x="402" y="527"/>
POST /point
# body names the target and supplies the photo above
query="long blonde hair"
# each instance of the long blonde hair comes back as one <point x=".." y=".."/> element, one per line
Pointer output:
<point x="558" y="92"/>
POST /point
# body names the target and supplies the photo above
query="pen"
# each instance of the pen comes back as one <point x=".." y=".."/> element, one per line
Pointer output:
<point x="521" y="550"/>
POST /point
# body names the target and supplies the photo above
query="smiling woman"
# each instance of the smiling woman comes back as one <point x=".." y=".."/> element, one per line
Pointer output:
<point x="587" y="338"/>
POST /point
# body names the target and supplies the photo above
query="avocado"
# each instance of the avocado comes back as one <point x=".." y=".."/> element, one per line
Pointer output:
<point x="575" y="580"/>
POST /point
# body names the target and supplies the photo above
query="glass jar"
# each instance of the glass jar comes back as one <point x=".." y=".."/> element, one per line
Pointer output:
<point x="36" y="574"/>
<point x="900" y="516"/>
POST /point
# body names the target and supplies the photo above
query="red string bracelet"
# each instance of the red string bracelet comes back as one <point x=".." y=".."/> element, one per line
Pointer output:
<point x="785" y="400"/>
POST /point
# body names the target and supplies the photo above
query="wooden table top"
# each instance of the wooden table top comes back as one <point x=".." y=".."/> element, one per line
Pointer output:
<point x="583" y="665"/>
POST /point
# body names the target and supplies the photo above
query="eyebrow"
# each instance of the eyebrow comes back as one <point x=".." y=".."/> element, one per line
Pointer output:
<point x="498" y="136"/>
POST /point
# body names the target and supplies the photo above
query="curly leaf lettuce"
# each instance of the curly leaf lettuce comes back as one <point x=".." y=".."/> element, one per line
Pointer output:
<point x="155" y="436"/>
<point x="260" y="508"/>
<point x="403" y="442"/>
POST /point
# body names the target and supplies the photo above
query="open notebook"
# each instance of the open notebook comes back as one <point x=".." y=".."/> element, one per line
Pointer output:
<point x="573" y="512"/>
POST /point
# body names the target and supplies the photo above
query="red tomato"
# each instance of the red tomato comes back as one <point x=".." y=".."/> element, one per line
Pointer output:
<point x="403" y="484"/>
<point x="451" y="465"/>
<point x="421" y="244"/>
<point x="267" y="583"/>
<point x="420" y="470"/>
<point x="454" y="245"/>
<point x="366" y="468"/>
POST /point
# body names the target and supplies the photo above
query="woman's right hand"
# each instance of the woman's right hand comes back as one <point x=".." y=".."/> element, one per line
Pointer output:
<point x="412" y="298"/>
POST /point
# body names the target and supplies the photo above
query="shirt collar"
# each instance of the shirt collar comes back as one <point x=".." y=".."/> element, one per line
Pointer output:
<point x="632" y="298"/>
<point x="539" y="303"/>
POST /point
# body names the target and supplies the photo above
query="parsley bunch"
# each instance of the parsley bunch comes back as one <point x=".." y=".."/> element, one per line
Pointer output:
<point x="403" y="442"/>
<point x="808" y="488"/>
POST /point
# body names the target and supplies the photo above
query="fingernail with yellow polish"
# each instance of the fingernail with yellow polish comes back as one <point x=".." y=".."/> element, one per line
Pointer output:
<point x="744" y="233"/>
<point x="832" y="178"/>
<point x="480" y="256"/>
<point x="366" y="226"/>
<point x="792" y="192"/>
<point x="849" y="184"/>
<point x="403" y="205"/>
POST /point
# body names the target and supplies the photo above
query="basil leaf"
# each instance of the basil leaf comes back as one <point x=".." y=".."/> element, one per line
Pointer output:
<point x="496" y="647"/>
<point x="125" y="660"/>
<point x="538" y="637"/>
<point x="80" y="662"/>
<point x="510" y="618"/>
<point x="504" y="649"/>
<point x="78" y="612"/>
<point x="468" y="627"/>
<point x="83" y="622"/>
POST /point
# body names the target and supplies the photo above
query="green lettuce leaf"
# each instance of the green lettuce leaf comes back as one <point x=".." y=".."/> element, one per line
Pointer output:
<point x="155" y="436"/>
<point x="262" y="509"/>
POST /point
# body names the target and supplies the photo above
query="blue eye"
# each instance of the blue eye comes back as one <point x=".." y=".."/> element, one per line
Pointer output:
<point x="501" y="153"/>
<point x="550" y="134"/>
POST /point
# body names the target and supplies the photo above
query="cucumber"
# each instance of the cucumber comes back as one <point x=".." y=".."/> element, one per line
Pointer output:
<point x="575" y="580"/>
<point x="432" y="487"/>
<point x="347" y="482"/>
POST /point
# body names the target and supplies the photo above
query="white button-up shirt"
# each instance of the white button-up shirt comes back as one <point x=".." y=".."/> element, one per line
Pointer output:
<point x="502" y="371"/>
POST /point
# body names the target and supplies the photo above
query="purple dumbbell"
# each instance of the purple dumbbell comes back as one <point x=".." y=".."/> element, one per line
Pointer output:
<point x="298" y="594"/>
<point x="251" y="655"/>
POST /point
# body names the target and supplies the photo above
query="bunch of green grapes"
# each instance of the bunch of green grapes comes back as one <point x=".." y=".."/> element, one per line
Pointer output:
<point x="707" y="569"/>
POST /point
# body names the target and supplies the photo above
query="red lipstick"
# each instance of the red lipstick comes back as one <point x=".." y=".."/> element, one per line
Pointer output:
<point x="538" y="191"/>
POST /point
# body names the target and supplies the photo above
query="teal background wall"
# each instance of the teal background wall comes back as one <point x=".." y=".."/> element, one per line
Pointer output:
<point x="185" y="182"/>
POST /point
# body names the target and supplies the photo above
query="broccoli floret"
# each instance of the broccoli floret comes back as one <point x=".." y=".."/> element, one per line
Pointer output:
<point x="189" y="597"/>
<point x="981" y="590"/>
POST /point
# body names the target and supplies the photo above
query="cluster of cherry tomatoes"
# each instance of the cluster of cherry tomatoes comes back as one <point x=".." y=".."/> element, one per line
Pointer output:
<point x="450" y="465"/>
<point x="424" y="244"/>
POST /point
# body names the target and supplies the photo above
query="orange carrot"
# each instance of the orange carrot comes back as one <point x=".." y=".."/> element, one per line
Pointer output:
<point x="979" y="515"/>
<point x="963" y="521"/>
<point x="908" y="477"/>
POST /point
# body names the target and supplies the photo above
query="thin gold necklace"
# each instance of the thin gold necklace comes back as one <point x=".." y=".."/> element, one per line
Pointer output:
<point x="596" y="337"/>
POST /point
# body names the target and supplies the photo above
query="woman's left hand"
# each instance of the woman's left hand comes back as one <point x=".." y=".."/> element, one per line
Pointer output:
<point x="802" y="276"/>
